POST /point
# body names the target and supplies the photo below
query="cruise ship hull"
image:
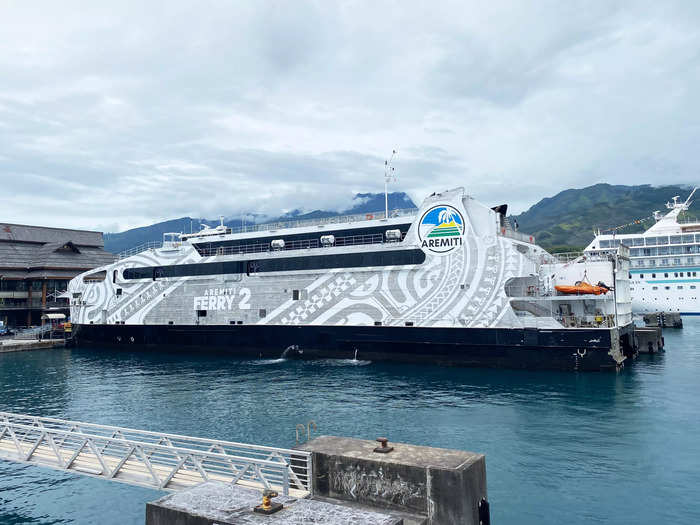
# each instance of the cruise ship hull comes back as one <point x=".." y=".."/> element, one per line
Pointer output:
<point x="565" y="349"/>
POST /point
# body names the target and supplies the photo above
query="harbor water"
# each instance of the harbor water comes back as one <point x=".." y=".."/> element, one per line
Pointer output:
<point x="575" y="448"/>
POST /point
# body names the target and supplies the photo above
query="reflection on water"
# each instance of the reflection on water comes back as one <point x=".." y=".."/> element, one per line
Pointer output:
<point x="561" y="447"/>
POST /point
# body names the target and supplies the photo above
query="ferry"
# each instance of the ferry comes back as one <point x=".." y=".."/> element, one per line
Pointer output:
<point x="665" y="261"/>
<point x="448" y="283"/>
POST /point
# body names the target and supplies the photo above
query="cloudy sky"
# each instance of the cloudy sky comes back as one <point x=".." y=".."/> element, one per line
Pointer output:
<point x="120" y="114"/>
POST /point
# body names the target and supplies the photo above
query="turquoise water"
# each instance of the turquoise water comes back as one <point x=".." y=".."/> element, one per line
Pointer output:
<point x="560" y="447"/>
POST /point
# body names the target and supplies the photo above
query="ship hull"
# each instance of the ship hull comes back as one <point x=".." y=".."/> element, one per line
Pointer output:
<point x="566" y="349"/>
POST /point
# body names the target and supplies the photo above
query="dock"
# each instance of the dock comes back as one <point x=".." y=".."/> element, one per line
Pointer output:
<point x="332" y="480"/>
<point x="663" y="320"/>
<point x="22" y="345"/>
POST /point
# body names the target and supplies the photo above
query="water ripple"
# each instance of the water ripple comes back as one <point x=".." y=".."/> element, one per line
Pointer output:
<point x="561" y="447"/>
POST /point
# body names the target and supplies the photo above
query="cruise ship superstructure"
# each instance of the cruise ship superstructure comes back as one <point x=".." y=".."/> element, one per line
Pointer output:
<point x="447" y="283"/>
<point x="665" y="261"/>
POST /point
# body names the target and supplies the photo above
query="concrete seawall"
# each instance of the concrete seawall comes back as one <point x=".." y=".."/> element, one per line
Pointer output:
<point x="21" y="345"/>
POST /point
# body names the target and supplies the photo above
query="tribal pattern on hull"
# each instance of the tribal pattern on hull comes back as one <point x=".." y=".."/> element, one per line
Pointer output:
<point x="461" y="285"/>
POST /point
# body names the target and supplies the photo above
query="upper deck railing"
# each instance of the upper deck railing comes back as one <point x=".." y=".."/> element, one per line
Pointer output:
<point x="338" y="219"/>
<point x="305" y="244"/>
<point x="280" y="225"/>
<point x="151" y="245"/>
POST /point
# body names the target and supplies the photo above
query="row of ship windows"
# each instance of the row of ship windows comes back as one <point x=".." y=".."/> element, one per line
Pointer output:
<point x="665" y="250"/>
<point x="666" y="274"/>
<point x="651" y="241"/>
<point x="692" y="287"/>
<point x="664" y="262"/>
<point x="657" y="298"/>
<point x="262" y="313"/>
<point x="286" y="264"/>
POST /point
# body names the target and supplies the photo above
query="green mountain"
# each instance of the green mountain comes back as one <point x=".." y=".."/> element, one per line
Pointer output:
<point x="362" y="203"/>
<point x="566" y="222"/>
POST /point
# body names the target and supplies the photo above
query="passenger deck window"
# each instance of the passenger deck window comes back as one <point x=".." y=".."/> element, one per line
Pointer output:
<point x="284" y="264"/>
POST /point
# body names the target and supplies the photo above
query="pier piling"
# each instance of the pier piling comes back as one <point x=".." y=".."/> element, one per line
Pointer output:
<point x="649" y="340"/>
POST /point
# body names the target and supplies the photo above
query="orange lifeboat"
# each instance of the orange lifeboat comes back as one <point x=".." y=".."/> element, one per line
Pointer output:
<point x="582" y="288"/>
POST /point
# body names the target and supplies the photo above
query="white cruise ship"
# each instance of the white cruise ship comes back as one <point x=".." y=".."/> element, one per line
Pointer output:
<point x="665" y="262"/>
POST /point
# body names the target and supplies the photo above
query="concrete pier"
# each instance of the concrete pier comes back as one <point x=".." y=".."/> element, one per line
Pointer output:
<point x="437" y="486"/>
<point x="663" y="320"/>
<point x="353" y="482"/>
<point x="649" y="340"/>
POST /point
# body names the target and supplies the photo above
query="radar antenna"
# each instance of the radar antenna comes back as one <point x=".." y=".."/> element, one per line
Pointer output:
<point x="681" y="206"/>
<point x="389" y="176"/>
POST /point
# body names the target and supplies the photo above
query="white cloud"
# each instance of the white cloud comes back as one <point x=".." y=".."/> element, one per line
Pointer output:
<point x="124" y="114"/>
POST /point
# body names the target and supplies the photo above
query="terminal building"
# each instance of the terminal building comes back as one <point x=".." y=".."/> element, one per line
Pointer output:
<point x="36" y="264"/>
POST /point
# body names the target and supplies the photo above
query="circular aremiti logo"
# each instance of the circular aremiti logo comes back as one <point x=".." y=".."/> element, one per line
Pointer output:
<point x="441" y="229"/>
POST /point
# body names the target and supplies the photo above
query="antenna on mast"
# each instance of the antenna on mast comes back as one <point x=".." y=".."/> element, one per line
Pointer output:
<point x="388" y="177"/>
<point x="688" y="202"/>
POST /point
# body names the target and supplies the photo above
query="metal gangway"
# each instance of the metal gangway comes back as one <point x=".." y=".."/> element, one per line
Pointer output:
<point x="150" y="459"/>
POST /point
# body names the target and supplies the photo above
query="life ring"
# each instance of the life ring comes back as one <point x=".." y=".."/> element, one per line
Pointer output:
<point x="369" y="216"/>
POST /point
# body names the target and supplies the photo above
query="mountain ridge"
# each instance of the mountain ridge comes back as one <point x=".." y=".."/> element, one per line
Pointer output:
<point x="363" y="203"/>
<point x="562" y="222"/>
<point x="567" y="220"/>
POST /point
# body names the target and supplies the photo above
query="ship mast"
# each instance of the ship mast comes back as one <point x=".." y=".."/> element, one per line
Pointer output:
<point x="388" y="177"/>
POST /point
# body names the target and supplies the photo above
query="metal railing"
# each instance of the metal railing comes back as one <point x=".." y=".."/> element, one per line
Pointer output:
<point x="35" y="332"/>
<point x="518" y="236"/>
<point x="270" y="226"/>
<point x="338" y="219"/>
<point x="151" y="245"/>
<point x="588" y="321"/>
<point x="150" y="459"/>
<point x="305" y="244"/>
<point x="566" y="257"/>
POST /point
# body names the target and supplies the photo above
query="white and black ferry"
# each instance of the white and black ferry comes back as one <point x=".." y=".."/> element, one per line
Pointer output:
<point x="448" y="283"/>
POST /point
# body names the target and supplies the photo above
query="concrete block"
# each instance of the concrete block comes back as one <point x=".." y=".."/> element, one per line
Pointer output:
<point x="214" y="502"/>
<point x="445" y="486"/>
<point x="649" y="340"/>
